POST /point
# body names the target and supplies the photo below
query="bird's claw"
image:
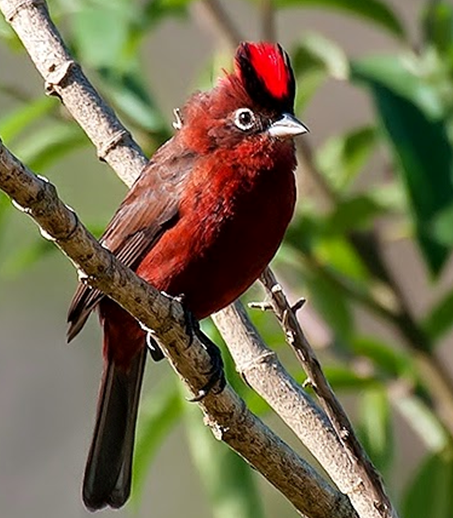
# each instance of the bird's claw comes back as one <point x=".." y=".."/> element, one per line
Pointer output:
<point x="216" y="381"/>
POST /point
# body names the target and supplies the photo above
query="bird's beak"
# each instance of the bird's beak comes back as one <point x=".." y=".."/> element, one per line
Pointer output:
<point x="287" y="127"/>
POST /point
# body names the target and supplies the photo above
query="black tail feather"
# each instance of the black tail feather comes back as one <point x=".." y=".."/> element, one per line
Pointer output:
<point x="108" y="471"/>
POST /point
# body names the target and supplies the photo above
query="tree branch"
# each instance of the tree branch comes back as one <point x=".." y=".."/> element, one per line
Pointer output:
<point x="264" y="373"/>
<point x="362" y="467"/>
<point x="225" y="413"/>
<point x="64" y="78"/>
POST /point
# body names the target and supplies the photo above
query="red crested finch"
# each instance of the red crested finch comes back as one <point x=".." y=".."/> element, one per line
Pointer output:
<point x="203" y="220"/>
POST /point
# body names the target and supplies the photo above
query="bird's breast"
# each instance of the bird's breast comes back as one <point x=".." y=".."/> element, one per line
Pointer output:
<point x="231" y="224"/>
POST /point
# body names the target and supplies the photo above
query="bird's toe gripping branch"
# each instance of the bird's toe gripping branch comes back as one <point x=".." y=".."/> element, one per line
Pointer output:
<point x="216" y="382"/>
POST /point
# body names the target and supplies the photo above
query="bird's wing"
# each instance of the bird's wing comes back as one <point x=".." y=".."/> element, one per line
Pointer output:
<point x="149" y="209"/>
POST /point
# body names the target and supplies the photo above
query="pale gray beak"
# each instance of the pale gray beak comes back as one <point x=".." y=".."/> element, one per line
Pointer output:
<point x="287" y="127"/>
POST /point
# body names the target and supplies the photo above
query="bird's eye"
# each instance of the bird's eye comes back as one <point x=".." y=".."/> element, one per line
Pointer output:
<point x="244" y="119"/>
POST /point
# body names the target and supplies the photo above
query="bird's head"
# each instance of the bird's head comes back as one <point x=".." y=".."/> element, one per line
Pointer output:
<point x="256" y="101"/>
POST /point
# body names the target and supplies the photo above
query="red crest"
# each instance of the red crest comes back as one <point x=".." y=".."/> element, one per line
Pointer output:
<point x="265" y="72"/>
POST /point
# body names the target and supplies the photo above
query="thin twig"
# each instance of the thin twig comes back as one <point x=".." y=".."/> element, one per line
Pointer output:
<point x="345" y="432"/>
<point x="262" y="371"/>
<point x="438" y="380"/>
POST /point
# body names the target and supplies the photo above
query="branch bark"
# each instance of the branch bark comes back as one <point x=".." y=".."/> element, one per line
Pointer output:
<point x="372" y="488"/>
<point x="439" y="382"/>
<point x="65" y="79"/>
<point x="225" y="413"/>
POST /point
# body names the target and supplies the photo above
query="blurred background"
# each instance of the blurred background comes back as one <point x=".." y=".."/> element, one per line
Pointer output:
<point x="369" y="247"/>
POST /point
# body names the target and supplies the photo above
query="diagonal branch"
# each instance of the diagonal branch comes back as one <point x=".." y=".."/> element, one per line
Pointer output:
<point x="361" y="465"/>
<point x="265" y="448"/>
<point x="225" y="413"/>
<point x="262" y="370"/>
<point x="65" y="79"/>
<point x="62" y="75"/>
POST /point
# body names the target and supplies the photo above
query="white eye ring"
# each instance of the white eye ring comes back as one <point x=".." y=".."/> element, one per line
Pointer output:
<point x="244" y="119"/>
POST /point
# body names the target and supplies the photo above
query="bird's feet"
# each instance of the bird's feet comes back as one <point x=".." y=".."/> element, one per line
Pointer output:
<point x="216" y="381"/>
<point x="154" y="350"/>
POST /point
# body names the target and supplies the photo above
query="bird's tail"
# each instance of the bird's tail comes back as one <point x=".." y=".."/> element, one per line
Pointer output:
<point x="107" y="479"/>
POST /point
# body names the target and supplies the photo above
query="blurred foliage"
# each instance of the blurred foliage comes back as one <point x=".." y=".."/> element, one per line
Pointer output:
<point x="334" y="253"/>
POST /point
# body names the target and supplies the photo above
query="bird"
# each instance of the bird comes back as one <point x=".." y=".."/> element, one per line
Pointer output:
<point x="202" y="221"/>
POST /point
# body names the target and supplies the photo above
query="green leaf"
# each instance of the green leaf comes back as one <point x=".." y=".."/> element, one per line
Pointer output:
<point x="344" y="378"/>
<point x="430" y="492"/>
<point x="438" y="27"/>
<point x="375" y="427"/>
<point x="374" y="11"/>
<point x="316" y="51"/>
<point x="396" y="74"/>
<point x="314" y="58"/>
<point x="304" y="231"/>
<point x="442" y="226"/>
<point x="310" y="82"/>
<point x="342" y="157"/>
<point x="355" y="213"/>
<point x="101" y="31"/>
<point x="155" y="10"/>
<point x="49" y="144"/>
<point x="229" y="482"/>
<point x="338" y="253"/>
<point x="390" y="196"/>
<point x="130" y="95"/>
<point x="418" y="138"/>
<point x="423" y="421"/>
<point x="158" y="415"/>
<point x="14" y="123"/>
<point x="390" y="361"/>
<point x="440" y="319"/>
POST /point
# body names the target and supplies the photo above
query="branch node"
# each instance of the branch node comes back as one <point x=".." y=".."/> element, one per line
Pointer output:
<point x="309" y="383"/>
<point x="262" y="306"/>
<point x="68" y="235"/>
<point x="105" y="147"/>
<point x="57" y="75"/>
<point x="249" y="365"/>
<point x="299" y="304"/>
<point x="11" y="13"/>
<point x="276" y="288"/>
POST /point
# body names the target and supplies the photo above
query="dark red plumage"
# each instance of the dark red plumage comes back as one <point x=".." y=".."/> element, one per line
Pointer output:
<point x="203" y="220"/>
